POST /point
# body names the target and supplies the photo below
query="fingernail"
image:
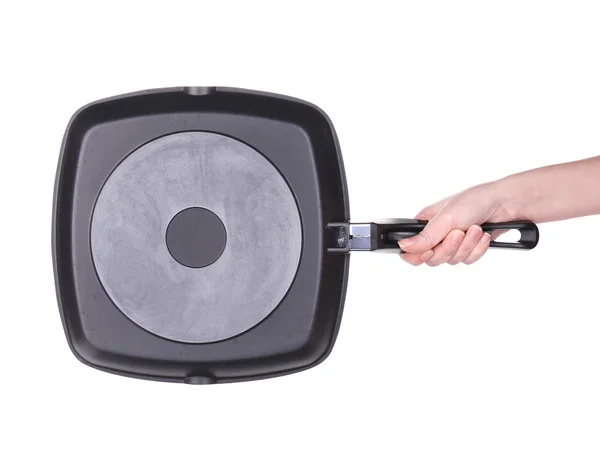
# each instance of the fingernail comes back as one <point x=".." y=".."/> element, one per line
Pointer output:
<point x="407" y="242"/>
<point x="475" y="232"/>
<point x="457" y="237"/>
<point x="426" y="256"/>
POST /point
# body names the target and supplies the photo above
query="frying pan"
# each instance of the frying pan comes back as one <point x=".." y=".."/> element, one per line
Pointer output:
<point x="202" y="235"/>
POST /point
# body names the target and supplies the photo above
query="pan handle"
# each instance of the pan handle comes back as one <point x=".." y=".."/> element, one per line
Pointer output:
<point x="383" y="235"/>
<point x="528" y="240"/>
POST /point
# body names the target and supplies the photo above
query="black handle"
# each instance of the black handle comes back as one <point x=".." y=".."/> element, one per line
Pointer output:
<point x="383" y="235"/>
<point x="529" y="232"/>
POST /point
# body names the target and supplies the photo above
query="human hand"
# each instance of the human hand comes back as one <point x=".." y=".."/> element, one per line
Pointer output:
<point x="453" y="234"/>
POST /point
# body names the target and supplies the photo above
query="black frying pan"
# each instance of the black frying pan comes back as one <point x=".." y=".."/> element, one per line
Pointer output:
<point x="202" y="235"/>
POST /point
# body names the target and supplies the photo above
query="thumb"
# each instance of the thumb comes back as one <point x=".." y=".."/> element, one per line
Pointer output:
<point x="435" y="231"/>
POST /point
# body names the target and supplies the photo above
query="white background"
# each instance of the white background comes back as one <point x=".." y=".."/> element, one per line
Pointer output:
<point x="491" y="367"/>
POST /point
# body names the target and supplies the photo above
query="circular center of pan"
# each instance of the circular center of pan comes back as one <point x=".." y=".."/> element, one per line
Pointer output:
<point x="196" y="237"/>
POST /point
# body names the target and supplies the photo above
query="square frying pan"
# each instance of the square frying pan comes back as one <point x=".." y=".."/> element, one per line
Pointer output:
<point x="202" y="235"/>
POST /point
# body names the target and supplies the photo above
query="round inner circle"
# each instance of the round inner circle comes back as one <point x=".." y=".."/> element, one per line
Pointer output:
<point x="196" y="237"/>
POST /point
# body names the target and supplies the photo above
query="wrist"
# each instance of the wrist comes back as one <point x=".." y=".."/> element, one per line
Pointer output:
<point x="507" y="196"/>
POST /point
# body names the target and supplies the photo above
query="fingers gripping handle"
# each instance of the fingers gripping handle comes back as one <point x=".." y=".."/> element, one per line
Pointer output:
<point x="528" y="240"/>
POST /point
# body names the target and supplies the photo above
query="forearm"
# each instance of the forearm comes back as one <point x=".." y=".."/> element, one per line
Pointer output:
<point x="552" y="193"/>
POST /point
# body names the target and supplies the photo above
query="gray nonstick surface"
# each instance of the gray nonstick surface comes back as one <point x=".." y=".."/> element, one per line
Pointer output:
<point x="185" y="290"/>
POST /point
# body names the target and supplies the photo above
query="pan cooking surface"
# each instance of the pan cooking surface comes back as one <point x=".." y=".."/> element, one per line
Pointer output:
<point x="196" y="237"/>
